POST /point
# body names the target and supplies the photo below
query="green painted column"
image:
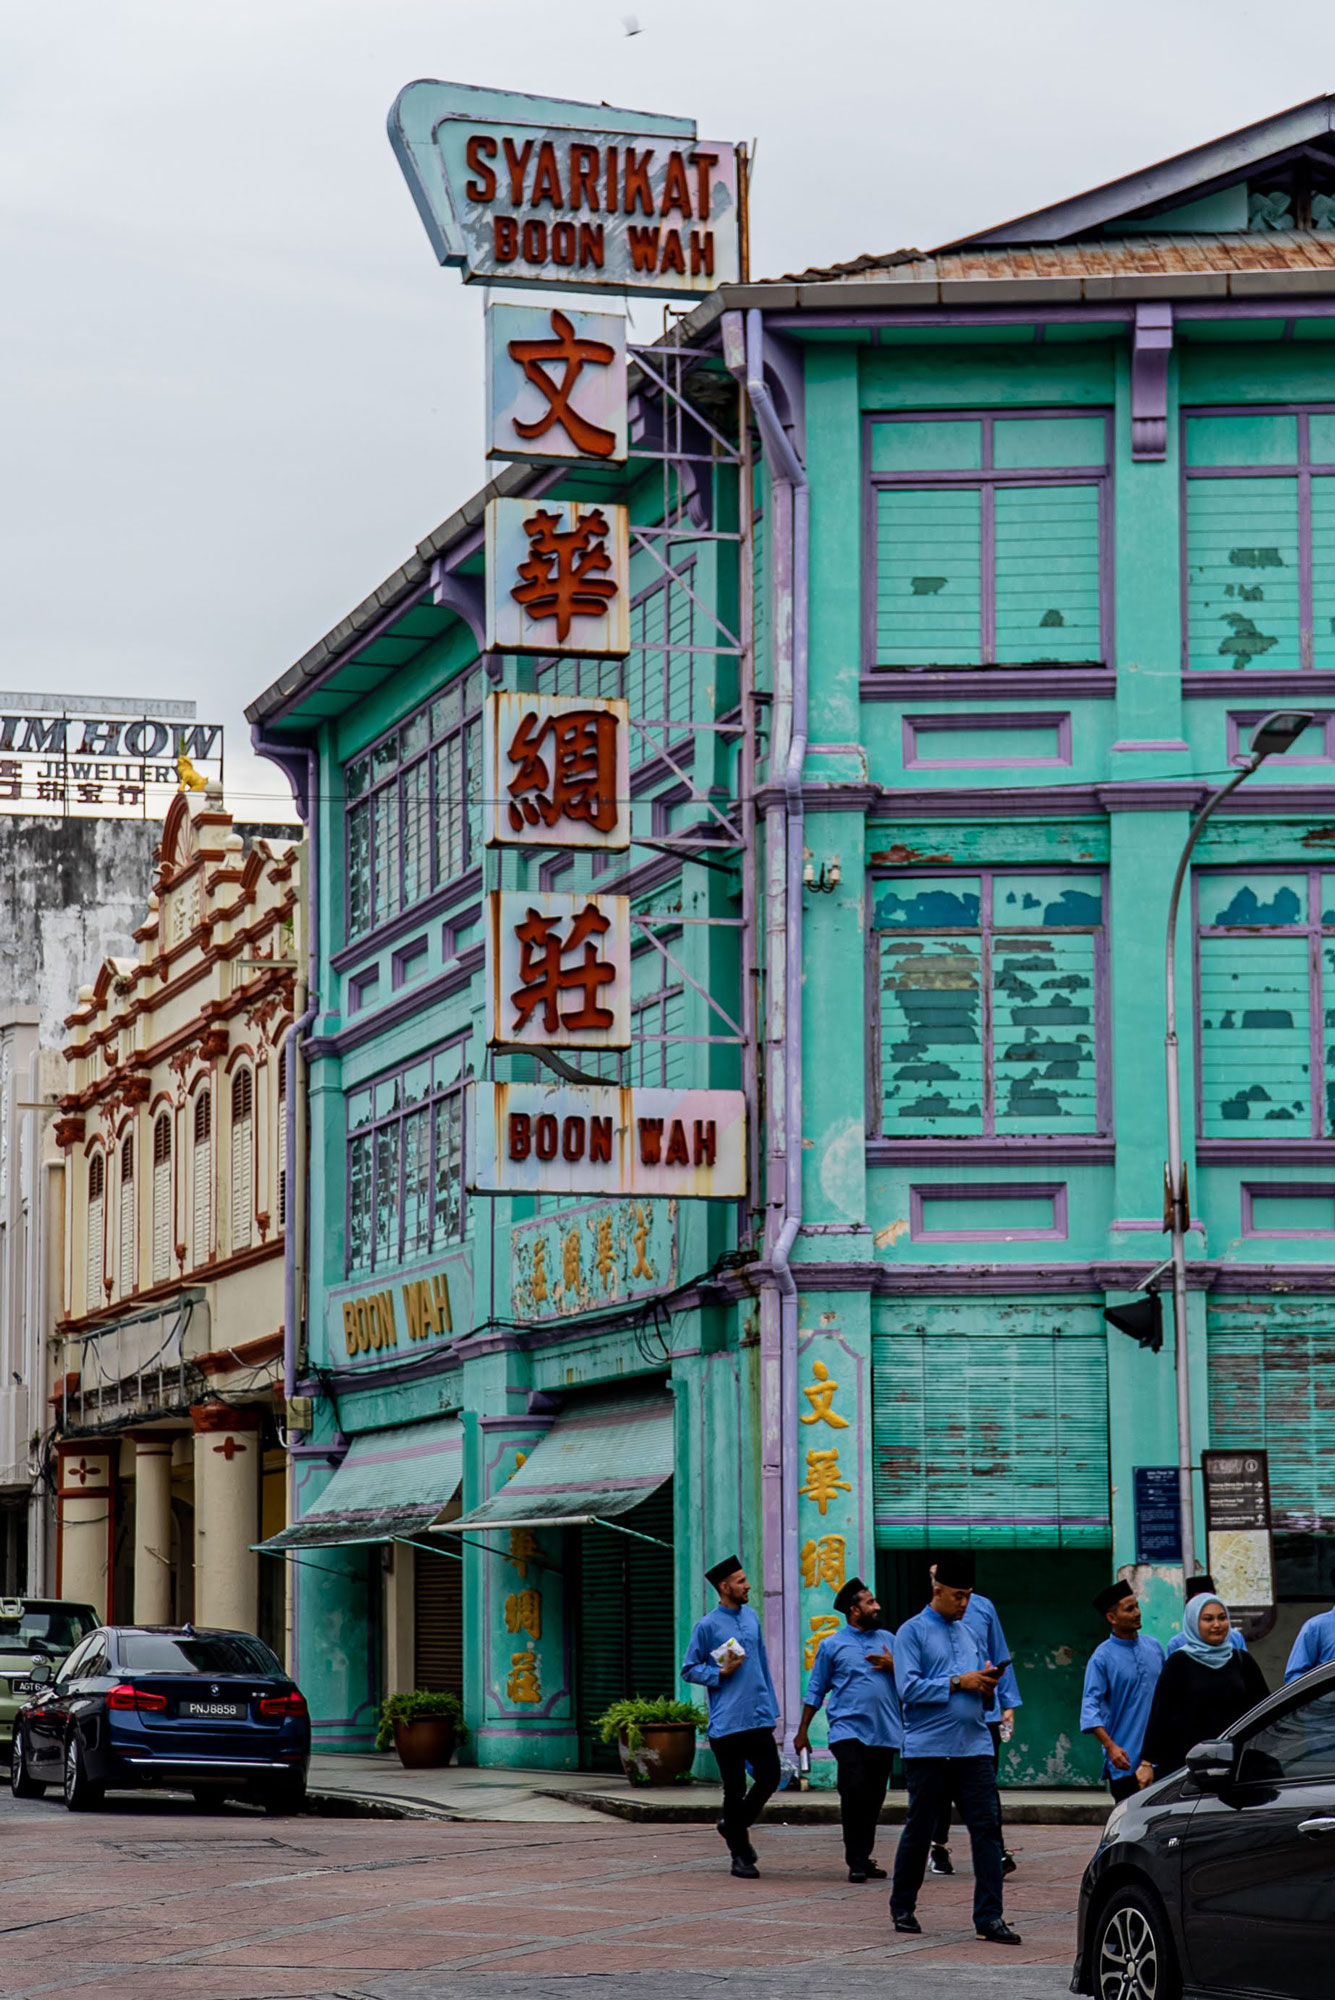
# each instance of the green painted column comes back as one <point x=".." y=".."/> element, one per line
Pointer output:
<point x="834" y="460"/>
<point x="834" y="1034"/>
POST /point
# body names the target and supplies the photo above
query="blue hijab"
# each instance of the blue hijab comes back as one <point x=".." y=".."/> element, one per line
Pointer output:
<point x="1209" y="1656"/>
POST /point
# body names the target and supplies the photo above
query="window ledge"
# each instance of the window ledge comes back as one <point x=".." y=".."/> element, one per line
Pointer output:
<point x="370" y="942"/>
<point x="1304" y="1152"/>
<point x="1073" y="1151"/>
<point x="1098" y="683"/>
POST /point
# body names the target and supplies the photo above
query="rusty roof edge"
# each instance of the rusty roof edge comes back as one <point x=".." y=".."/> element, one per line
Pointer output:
<point x="405" y="586"/>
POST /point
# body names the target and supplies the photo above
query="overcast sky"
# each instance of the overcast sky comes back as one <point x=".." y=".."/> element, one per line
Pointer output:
<point x="237" y="388"/>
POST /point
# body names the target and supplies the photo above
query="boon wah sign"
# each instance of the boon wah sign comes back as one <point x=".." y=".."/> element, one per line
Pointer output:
<point x="534" y="191"/>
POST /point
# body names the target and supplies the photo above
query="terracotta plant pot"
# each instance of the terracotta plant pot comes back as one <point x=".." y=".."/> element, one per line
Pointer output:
<point x="425" y="1745"/>
<point x="666" y="1753"/>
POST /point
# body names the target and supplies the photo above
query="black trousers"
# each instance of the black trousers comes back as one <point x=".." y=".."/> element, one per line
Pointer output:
<point x="1124" y="1787"/>
<point x="932" y="1782"/>
<point x="864" y="1777"/>
<point x="732" y="1754"/>
<point x="941" y="1831"/>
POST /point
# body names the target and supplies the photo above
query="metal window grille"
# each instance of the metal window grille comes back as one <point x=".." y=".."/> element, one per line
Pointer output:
<point x="405" y="1160"/>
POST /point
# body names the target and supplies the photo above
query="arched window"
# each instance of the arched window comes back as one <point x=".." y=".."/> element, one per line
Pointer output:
<point x="201" y="1180"/>
<point x="162" y="1197"/>
<point x="94" y="1296"/>
<point x="129" y="1244"/>
<point x="243" y="1157"/>
<point x="282" y="1139"/>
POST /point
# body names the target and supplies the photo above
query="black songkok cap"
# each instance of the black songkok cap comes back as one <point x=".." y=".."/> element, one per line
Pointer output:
<point x="1111" y="1594"/>
<point x="851" y="1590"/>
<point x="954" y="1568"/>
<point x="1197" y="1586"/>
<point x="722" y="1571"/>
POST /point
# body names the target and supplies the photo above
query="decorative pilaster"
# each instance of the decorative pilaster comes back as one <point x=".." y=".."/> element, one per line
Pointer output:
<point x="227" y="1516"/>
<point x="152" y="1527"/>
<point x="86" y="1517"/>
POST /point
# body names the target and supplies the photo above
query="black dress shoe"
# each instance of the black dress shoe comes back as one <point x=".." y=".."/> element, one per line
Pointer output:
<point x="1008" y="1862"/>
<point x="908" y="1923"/>
<point x="997" y="1932"/>
<point x="746" y="1869"/>
<point x="874" y="1873"/>
<point x="745" y="1848"/>
<point x="857" y="1874"/>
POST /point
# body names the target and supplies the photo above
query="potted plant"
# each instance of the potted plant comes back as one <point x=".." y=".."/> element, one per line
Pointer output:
<point x="423" y="1727"/>
<point x="656" y="1739"/>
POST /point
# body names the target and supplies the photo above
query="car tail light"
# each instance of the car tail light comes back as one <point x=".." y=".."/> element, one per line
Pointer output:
<point x="276" y="1706"/>
<point x="126" y="1696"/>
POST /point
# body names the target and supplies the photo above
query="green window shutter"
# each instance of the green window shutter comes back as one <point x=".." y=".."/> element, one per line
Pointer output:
<point x="1044" y="1034"/>
<point x="1323" y="571"/>
<point x="625" y="1643"/>
<point x="438" y="1640"/>
<point x="1255" y="1037"/>
<point x="990" y="1441"/>
<point x="1272" y="1389"/>
<point x="1047" y="574"/>
<point x="928" y="596"/>
<point x="1242" y="573"/>
<point x="931" y="1035"/>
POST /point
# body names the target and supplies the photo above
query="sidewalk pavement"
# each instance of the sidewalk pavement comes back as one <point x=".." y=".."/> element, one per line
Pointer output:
<point x="376" y="1785"/>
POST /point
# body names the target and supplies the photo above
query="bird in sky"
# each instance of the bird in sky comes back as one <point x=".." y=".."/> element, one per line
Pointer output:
<point x="631" y="23"/>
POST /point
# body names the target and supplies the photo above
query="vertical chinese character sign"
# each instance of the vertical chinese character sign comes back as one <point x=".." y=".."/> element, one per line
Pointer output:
<point x="559" y="971"/>
<point x="557" y="772"/>
<point x="829" y="1462"/>
<point x="556" y="384"/>
<point x="558" y="578"/>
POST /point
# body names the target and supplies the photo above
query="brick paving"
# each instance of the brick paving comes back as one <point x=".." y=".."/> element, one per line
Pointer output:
<point x="152" y="1899"/>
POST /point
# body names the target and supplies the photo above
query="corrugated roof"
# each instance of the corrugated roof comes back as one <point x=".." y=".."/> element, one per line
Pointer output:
<point x="1168" y="255"/>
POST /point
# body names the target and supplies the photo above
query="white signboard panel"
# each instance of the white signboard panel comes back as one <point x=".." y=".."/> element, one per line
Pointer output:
<point x="556" y="384"/>
<point x="101" y="761"/>
<point x="558" y="577"/>
<point x="536" y="1138"/>
<point x="556" y="771"/>
<point x="558" y="971"/>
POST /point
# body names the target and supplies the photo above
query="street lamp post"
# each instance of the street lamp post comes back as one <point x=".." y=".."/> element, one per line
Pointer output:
<point x="1272" y="737"/>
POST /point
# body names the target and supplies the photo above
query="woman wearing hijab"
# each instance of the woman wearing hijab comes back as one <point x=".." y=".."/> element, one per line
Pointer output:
<point x="1204" y="1687"/>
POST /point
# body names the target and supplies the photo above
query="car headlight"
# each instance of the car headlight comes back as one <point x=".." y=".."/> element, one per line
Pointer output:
<point x="1115" y="1817"/>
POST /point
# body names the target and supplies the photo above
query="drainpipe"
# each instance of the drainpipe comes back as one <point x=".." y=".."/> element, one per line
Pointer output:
<point x="297" y="1221"/>
<point x="786" y="1012"/>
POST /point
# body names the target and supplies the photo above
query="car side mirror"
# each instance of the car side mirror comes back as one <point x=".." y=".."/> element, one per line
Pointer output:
<point x="1211" y="1764"/>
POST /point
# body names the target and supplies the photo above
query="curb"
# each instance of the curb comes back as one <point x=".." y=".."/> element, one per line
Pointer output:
<point x="372" y="1805"/>
<point x="802" y="1809"/>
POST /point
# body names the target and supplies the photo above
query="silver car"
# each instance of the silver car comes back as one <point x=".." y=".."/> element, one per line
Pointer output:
<point x="32" y="1629"/>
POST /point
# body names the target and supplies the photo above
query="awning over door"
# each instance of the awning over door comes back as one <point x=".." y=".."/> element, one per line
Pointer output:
<point x="594" y="1464"/>
<point x="391" y="1486"/>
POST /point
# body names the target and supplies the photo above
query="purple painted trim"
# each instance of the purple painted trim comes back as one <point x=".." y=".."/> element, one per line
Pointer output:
<point x="1097" y="313"/>
<point x="1029" y="1151"/>
<point x="382" y="1019"/>
<point x="362" y="989"/>
<point x="1241" y="722"/>
<point x="969" y="683"/>
<point x="1266" y="1152"/>
<point x="1151" y="351"/>
<point x="1152" y="743"/>
<point x="1001" y="1191"/>
<point x="1149" y="1225"/>
<point x="1238" y="683"/>
<point x="421" y="913"/>
<point x="898" y="803"/>
<point x="1060" y="720"/>
<point x="404" y="961"/>
<point x="1281" y="1190"/>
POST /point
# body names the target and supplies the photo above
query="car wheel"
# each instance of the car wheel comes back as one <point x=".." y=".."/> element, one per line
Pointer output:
<point x="81" y="1794"/>
<point x="20" y="1784"/>
<point x="1133" y="1953"/>
<point x="288" y="1796"/>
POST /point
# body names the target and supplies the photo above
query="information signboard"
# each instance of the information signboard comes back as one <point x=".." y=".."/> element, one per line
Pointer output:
<point x="1237" y="1524"/>
<point x="536" y="1138"/>
<point x="1158" y="1514"/>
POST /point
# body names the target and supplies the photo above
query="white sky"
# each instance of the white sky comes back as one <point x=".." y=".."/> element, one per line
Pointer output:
<point x="237" y="388"/>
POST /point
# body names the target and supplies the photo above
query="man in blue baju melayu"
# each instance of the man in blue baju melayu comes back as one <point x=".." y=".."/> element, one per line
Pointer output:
<point x="982" y="1612"/>
<point x="727" y="1658"/>
<point x="1119" y="1687"/>
<point x="854" y="1675"/>
<point x="1313" y="1647"/>
<point x="946" y="1687"/>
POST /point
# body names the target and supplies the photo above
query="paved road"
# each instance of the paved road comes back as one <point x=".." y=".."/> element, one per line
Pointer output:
<point x="155" y="1899"/>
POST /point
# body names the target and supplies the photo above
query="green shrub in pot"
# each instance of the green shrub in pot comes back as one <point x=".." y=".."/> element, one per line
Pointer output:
<point x="631" y="1716"/>
<point x="418" y="1707"/>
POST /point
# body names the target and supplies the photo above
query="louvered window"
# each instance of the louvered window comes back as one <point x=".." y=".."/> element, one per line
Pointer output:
<point x="201" y="1180"/>
<point x="414" y="807"/>
<point x="282" y="1139"/>
<point x="989" y="1016"/>
<point x="129" y="1243"/>
<point x="987" y="535"/>
<point x="94" y="1292"/>
<point x="1260" y="539"/>
<point x="243" y="1157"/>
<point x="1270" y="1386"/>
<point x="1267" y="993"/>
<point x="992" y="1438"/>
<point x="657" y="676"/>
<point x="163" y="1232"/>
<point x="405" y="1161"/>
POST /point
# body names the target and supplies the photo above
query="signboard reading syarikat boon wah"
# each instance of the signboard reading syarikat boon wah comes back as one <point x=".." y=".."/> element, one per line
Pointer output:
<point x="521" y="190"/>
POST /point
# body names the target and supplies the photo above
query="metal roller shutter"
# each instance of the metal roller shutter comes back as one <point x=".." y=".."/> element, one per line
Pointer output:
<point x="438" y="1632"/>
<point x="990" y="1439"/>
<point x="1276" y="1388"/>
<point x="625" y="1639"/>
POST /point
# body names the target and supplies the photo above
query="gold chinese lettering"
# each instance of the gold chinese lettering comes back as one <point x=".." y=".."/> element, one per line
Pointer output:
<point x="821" y="1628"/>
<point x="604" y="1255"/>
<point x="823" y="1562"/>
<point x="524" y="1549"/>
<point x="539" y="1269"/>
<point x="820" y="1395"/>
<point x="823" y="1481"/>
<point x="639" y="1236"/>
<point x="522" y="1683"/>
<point x="523" y="1612"/>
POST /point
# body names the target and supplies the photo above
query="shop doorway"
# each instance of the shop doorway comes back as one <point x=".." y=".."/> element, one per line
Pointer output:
<point x="438" y="1632"/>
<point x="624" y="1627"/>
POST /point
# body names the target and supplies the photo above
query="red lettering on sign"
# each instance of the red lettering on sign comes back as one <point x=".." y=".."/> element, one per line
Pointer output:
<point x="591" y="245"/>
<point x="702" y="252"/>
<point x="600" y="1139"/>
<point x="676" y="187"/>
<point x="572" y="1139"/>
<point x="584" y="176"/>
<point x="516" y="163"/>
<point x="643" y="247"/>
<point x="677" y="1155"/>
<point x="611" y="178"/>
<point x="704" y="1142"/>
<point x="563" y="243"/>
<point x="535" y="242"/>
<point x="477" y="152"/>
<point x="651" y="1141"/>
<point x="702" y="162"/>
<point x="546" y="178"/>
<point x="505" y="238"/>
<point x="635" y="182"/>
<point x="547" y="1136"/>
<point x="521" y="1135"/>
<point x="671" y="256"/>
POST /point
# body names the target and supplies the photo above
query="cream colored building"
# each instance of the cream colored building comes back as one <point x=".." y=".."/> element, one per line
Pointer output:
<point x="167" y="1365"/>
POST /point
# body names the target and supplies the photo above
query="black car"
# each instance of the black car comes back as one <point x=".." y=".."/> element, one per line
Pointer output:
<point x="148" y="1705"/>
<point x="1221" y="1878"/>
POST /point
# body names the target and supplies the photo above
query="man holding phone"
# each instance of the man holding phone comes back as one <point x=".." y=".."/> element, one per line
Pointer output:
<point x="947" y="1685"/>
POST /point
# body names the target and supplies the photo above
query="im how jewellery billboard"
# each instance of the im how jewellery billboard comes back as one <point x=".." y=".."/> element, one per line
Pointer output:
<point x="102" y="757"/>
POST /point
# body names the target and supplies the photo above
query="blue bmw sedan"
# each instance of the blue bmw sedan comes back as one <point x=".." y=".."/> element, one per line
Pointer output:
<point x="208" y="1712"/>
